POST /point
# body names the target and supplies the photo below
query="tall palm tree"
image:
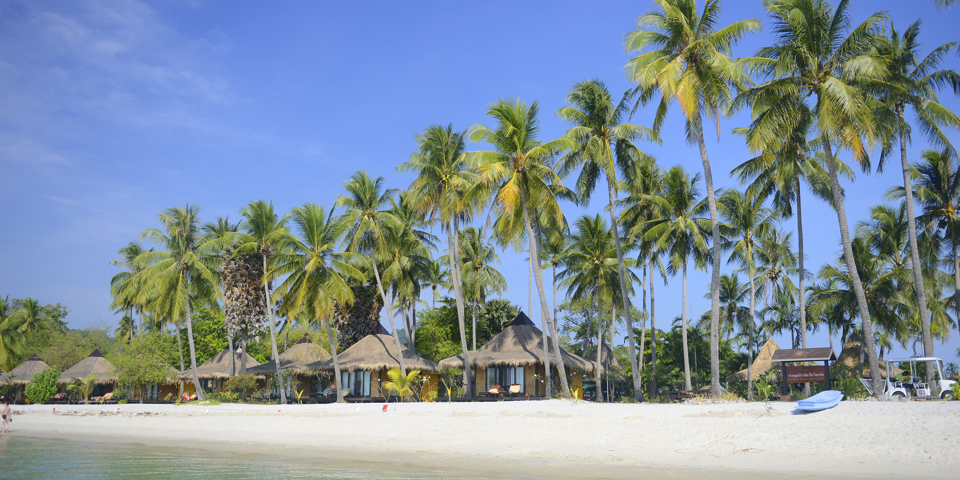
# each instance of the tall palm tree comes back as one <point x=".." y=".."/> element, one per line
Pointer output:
<point x="937" y="188"/>
<point x="183" y="270"/>
<point x="368" y="220"/>
<point x="817" y="60"/>
<point x="748" y="220"/>
<point x="223" y="231"/>
<point x="478" y="257"/>
<point x="776" y="265"/>
<point x="31" y="316"/>
<point x="315" y="272"/>
<point x="681" y="232"/>
<point x="124" y="286"/>
<point x="598" y="131"/>
<point x="518" y="169"/>
<point x="556" y="246"/>
<point x="913" y="82"/>
<point x="689" y="62"/>
<point x="266" y="233"/>
<point x="442" y="189"/>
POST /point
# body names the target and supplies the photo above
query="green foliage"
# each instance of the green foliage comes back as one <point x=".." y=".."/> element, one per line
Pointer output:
<point x="851" y="387"/>
<point x="764" y="388"/>
<point x="670" y="358"/>
<point x="955" y="389"/>
<point x="401" y="385"/>
<point x="240" y="384"/>
<point x="84" y="387"/>
<point x="43" y="386"/>
<point x="142" y="362"/>
<point x="438" y="335"/>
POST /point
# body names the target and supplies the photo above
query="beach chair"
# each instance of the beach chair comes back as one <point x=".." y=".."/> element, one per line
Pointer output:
<point x="515" y="390"/>
<point x="496" y="390"/>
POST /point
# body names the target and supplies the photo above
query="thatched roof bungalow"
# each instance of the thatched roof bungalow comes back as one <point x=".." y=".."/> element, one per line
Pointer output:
<point x="850" y="358"/>
<point x="762" y="363"/>
<point x="213" y="372"/>
<point x="515" y="356"/>
<point x="23" y="373"/>
<point x="364" y="365"/>
<point x="296" y="359"/>
<point x="608" y="361"/>
<point x="93" y="364"/>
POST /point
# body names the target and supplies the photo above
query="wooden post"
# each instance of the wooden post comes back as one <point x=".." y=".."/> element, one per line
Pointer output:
<point x="783" y="378"/>
<point x="826" y="366"/>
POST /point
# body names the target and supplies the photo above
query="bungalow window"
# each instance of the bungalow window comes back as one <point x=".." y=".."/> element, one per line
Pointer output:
<point x="358" y="381"/>
<point x="506" y="376"/>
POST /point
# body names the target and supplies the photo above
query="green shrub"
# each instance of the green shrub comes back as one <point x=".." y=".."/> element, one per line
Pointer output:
<point x="43" y="386"/>
<point x="239" y="385"/>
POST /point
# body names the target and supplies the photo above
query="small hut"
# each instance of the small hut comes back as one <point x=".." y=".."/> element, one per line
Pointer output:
<point x="364" y="366"/>
<point x="93" y="365"/>
<point x="850" y="358"/>
<point x="515" y="356"/>
<point x="762" y="363"/>
<point x="296" y="359"/>
<point x="22" y="374"/>
<point x="214" y="371"/>
<point x="611" y="369"/>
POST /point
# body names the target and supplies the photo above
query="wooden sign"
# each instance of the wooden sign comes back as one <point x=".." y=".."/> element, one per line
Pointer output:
<point x="806" y="374"/>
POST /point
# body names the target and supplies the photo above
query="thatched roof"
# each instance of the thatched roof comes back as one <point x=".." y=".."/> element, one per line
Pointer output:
<point x="219" y="366"/>
<point x="295" y="358"/>
<point x="850" y="358"/>
<point x="94" y="364"/>
<point x="762" y="363"/>
<point x="607" y="358"/>
<point x="375" y="352"/>
<point x="23" y="373"/>
<point x="520" y="343"/>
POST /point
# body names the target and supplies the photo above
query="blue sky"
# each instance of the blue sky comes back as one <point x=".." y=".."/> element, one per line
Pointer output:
<point x="113" y="110"/>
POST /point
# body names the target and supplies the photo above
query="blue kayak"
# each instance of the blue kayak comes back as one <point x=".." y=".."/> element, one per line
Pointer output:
<point x="820" y="401"/>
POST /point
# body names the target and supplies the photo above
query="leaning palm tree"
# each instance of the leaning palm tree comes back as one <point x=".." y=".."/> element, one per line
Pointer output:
<point x="266" y="234"/>
<point x="315" y="272"/>
<point x="12" y="341"/>
<point x="689" y="62"/>
<point x="912" y="81"/>
<point x="816" y="60"/>
<point x="681" y="232"/>
<point x="518" y="169"/>
<point x="937" y="188"/>
<point x="442" y="190"/>
<point x="368" y="221"/>
<point x="604" y="144"/>
<point x="124" y="285"/>
<point x="183" y="270"/>
<point x="748" y="220"/>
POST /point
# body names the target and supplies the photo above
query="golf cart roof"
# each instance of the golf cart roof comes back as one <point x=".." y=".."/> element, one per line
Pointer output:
<point x="915" y="359"/>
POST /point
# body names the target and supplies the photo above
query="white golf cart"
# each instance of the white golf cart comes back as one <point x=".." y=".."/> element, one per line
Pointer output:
<point x="909" y="385"/>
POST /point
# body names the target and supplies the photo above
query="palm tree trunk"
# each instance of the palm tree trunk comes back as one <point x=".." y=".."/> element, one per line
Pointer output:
<point x="273" y="332"/>
<point x="653" y="339"/>
<point x="180" y="350"/>
<point x="413" y="322"/>
<point x="454" y="259"/>
<point x="598" y="394"/>
<point x="915" y="252"/>
<point x="393" y="325"/>
<point x="643" y="324"/>
<point x="803" y="293"/>
<point x="193" y="350"/>
<point x="750" y="327"/>
<point x="852" y="270"/>
<point x="613" y="329"/>
<point x="547" y="374"/>
<point x="544" y="306"/>
<point x="715" y="274"/>
<point x="337" y="381"/>
<point x="683" y="333"/>
<point x="406" y="322"/>
<point x="956" y="281"/>
<point x="473" y="314"/>
<point x="635" y="369"/>
<point x="233" y="356"/>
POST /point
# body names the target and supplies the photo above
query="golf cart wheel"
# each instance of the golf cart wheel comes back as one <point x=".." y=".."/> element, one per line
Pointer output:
<point x="947" y="395"/>
<point x="898" y="394"/>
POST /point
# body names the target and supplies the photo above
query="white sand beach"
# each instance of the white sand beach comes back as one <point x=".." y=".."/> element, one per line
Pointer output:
<point x="550" y="439"/>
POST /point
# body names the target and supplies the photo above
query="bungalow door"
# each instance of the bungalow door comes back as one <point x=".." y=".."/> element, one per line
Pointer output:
<point x="358" y="381"/>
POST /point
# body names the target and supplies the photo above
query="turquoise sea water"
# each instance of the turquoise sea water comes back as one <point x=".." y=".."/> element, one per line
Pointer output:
<point x="28" y="459"/>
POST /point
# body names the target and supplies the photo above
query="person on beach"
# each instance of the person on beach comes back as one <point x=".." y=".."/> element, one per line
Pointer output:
<point x="7" y="414"/>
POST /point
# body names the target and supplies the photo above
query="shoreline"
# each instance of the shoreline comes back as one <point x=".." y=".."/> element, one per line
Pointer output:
<point x="545" y="439"/>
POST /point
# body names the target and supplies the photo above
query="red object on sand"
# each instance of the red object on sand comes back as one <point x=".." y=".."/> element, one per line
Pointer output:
<point x="384" y="408"/>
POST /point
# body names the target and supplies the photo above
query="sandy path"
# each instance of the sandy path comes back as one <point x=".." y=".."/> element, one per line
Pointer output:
<point x="551" y="438"/>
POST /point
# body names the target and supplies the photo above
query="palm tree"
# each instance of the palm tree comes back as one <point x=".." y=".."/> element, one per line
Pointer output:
<point x="126" y="328"/>
<point x="368" y="221"/>
<point x="518" y="170"/>
<point x="689" y="62"/>
<point x="124" y="286"/>
<point x="555" y="246"/>
<point x="913" y="82"/>
<point x="224" y="232"/>
<point x="182" y="271"/>
<point x="598" y="131"/>
<point x="315" y="272"/>
<point x="12" y="341"/>
<point x="748" y="221"/>
<point x="266" y="234"/>
<point x="442" y="189"/>
<point x="815" y="60"/>
<point x="937" y="188"/>
<point x="435" y="276"/>
<point x="680" y="231"/>
<point x="477" y="259"/>
<point x="777" y="264"/>
<point x="30" y="316"/>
